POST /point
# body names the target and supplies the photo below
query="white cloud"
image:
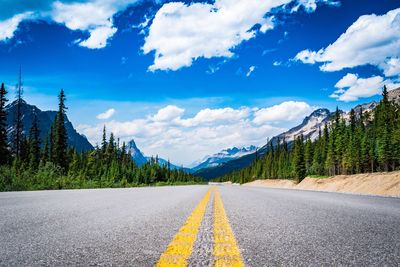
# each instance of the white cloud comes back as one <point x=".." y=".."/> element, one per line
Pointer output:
<point x="169" y="113"/>
<point x="92" y="16"/>
<point x="372" y="39"/>
<point x="98" y="37"/>
<point x="286" y="111"/>
<point x="391" y="67"/>
<point x="9" y="26"/>
<point x="351" y="87"/>
<point x="182" y="33"/>
<point x="311" y="5"/>
<point x="250" y="71"/>
<point x="221" y="115"/>
<point x="307" y="56"/>
<point x="184" y="139"/>
<point x="106" y="115"/>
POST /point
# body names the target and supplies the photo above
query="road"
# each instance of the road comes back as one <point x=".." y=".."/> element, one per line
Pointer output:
<point x="241" y="225"/>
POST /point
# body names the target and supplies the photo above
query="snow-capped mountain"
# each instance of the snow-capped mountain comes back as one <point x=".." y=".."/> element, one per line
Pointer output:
<point x="365" y="107"/>
<point x="223" y="157"/>
<point x="309" y="128"/>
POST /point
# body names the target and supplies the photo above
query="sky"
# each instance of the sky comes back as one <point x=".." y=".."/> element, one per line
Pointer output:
<point x="186" y="79"/>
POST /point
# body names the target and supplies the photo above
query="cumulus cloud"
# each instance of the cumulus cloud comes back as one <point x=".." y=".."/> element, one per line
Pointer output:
<point x="286" y="111"/>
<point x="98" y="37"/>
<point x="169" y="113"/>
<point x="170" y="133"/>
<point x="92" y="16"/>
<point x="351" y="87"/>
<point x="9" y="26"/>
<point x="212" y="116"/>
<point x="182" y="33"/>
<point x="106" y="115"/>
<point x="372" y="39"/>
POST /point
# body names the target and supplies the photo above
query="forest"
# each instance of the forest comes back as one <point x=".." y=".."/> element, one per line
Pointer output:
<point x="28" y="163"/>
<point x="366" y="142"/>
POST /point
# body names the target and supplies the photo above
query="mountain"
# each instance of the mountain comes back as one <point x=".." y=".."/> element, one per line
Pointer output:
<point x="140" y="159"/>
<point x="308" y="128"/>
<point x="137" y="155"/>
<point x="45" y="120"/>
<point x="394" y="95"/>
<point x="223" y="157"/>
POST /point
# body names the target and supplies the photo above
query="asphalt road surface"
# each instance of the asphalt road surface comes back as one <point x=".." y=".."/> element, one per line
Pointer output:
<point x="258" y="226"/>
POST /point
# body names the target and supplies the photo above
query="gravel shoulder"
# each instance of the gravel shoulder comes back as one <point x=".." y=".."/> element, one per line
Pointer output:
<point x="379" y="184"/>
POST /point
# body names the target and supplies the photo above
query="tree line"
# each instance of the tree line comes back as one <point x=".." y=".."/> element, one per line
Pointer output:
<point x="29" y="163"/>
<point x="358" y="143"/>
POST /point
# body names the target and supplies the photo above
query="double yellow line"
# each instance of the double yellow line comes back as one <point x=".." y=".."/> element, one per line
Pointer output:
<point x="226" y="252"/>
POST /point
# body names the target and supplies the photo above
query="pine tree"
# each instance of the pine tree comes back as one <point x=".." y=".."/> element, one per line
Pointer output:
<point x="111" y="146"/>
<point x="51" y="139"/>
<point x="104" y="141"/>
<point x="18" y="124"/>
<point x="4" y="152"/>
<point x="60" y="137"/>
<point x="308" y="155"/>
<point x="46" y="150"/>
<point x="169" y="170"/>
<point x="34" y="144"/>
<point x="384" y="125"/>
<point x="298" y="159"/>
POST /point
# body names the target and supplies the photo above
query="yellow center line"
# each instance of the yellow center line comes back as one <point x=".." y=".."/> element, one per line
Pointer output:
<point x="181" y="247"/>
<point x="226" y="251"/>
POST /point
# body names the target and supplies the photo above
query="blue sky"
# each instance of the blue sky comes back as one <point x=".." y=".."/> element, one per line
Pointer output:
<point x="186" y="79"/>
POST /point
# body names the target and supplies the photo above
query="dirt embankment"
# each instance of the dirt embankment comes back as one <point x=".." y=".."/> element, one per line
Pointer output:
<point x="384" y="184"/>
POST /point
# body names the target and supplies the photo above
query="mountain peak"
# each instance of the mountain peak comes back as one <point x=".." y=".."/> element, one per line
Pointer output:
<point x="45" y="120"/>
<point x="137" y="155"/>
<point x="223" y="157"/>
<point x="320" y="112"/>
<point x="132" y="145"/>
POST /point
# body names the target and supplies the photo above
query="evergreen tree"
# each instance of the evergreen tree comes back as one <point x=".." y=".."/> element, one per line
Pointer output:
<point x="60" y="134"/>
<point x="299" y="160"/>
<point x="34" y="144"/>
<point x="104" y="141"/>
<point x="4" y="151"/>
<point x="18" y="124"/>
<point x="111" y="146"/>
<point x="51" y="139"/>
<point x="384" y="125"/>
<point x="308" y="155"/>
<point x="46" y="150"/>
